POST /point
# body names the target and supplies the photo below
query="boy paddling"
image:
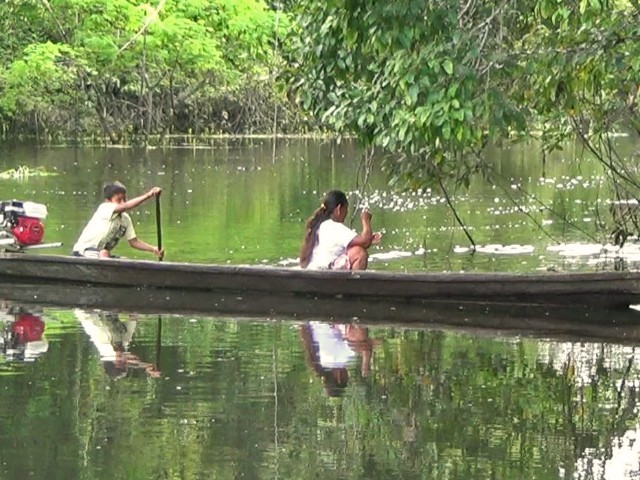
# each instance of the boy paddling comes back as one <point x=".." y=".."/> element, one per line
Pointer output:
<point x="110" y="223"/>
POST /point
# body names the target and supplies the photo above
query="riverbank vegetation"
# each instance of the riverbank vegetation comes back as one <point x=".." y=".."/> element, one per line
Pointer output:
<point x="426" y="85"/>
<point x="433" y="82"/>
<point x="126" y="70"/>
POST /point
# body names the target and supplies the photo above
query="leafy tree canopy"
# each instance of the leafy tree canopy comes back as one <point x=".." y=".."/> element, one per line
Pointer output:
<point x="434" y="83"/>
<point x="133" y="64"/>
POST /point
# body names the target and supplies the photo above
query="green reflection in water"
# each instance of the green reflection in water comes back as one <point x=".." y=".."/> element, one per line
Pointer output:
<point x="235" y="204"/>
<point x="239" y="399"/>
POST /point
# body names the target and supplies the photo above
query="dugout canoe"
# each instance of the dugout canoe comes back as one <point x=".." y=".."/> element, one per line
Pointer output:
<point x="596" y="289"/>
<point x="559" y="323"/>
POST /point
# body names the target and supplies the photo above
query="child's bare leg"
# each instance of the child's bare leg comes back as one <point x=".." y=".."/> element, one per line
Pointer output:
<point x="104" y="254"/>
<point x="358" y="257"/>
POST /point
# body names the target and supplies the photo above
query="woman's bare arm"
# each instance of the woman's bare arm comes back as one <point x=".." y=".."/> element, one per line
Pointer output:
<point x="366" y="237"/>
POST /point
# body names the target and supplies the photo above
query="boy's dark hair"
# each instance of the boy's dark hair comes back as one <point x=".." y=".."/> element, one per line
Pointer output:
<point x="111" y="189"/>
<point x="114" y="371"/>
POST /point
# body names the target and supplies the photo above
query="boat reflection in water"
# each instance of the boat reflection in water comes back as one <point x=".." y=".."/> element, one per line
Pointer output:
<point x="111" y="336"/>
<point x="331" y="348"/>
<point x="21" y="333"/>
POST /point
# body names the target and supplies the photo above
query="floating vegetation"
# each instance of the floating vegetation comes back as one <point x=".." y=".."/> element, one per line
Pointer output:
<point x="581" y="249"/>
<point x="599" y="255"/>
<point x="392" y="255"/>
<point x="498" y="249"/>
<point x="23" y="173"/>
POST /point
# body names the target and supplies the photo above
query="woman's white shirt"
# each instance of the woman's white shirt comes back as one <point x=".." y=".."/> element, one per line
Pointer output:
<point x="333" y="349"/>
<point x="333" y="238"/>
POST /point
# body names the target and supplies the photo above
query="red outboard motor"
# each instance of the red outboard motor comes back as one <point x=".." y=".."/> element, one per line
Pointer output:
<point x="28" y="328"/>
<point x="29" y="231"/>
<point x="22" y="338"/>
<point x="21" y="223"/>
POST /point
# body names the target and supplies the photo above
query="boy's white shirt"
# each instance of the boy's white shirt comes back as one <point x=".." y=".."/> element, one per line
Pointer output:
<point x="103" y="227"/>
<point x="101" y="336"/>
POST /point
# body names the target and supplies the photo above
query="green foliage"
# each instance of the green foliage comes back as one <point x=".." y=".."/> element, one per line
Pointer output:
<point x="435" y="83"/>
<point x="237" y="400"/>
<point x="38" y="80"/>
<point x="407" y="77"/>
<point x="131" y="68"/>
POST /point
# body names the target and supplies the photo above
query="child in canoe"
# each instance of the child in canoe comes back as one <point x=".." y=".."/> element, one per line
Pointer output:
<point x="110" y="223"/>
<point x="330" y="244"/>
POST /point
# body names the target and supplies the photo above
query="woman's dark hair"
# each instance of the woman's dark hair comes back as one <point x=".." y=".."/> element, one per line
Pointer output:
<point x="331" y="200"/>
<point x="111" y="189"/>
<point x="334" y="380"/>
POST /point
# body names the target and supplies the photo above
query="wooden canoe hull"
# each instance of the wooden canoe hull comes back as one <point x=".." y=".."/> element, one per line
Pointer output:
<point x="561" y="322"/>
<point x="599" y="290"/>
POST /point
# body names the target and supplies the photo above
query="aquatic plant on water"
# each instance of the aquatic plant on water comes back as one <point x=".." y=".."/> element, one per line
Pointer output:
<point x="23" y="173"/>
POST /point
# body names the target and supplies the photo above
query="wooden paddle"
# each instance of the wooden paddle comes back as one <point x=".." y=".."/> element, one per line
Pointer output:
<point x="159" y="331"/>
<point x="159" y="224"/>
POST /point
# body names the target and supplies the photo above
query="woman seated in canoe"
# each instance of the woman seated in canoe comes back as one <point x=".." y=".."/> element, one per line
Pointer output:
<point x="330" y="244"/>
<point x="111" y="222"/>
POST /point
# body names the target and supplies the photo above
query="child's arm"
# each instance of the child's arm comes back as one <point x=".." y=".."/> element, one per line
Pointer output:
<point x="145" y="247"/>
<point x="134" y="202"/>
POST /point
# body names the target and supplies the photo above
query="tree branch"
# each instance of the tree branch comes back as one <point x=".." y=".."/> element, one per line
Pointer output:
<point x="150" y="19"/>
<point x="455" y="214"/>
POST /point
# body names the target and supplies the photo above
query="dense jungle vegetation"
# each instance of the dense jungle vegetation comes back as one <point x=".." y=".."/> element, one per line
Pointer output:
<point x="125" y="69"/>
<point x="431" y="83"/>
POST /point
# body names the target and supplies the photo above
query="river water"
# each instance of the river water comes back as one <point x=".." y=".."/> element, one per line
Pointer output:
<point x="237" y="203"/>
<point x="92" y="395"/>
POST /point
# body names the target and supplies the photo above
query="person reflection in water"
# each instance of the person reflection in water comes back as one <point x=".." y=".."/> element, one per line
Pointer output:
<point x="22" y="333"/>
<point x="112" y="336"/>
<point x="330" y="348"/>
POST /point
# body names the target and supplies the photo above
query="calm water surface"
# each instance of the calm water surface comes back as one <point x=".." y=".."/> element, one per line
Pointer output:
<point x="94" y="395"/>
<point x="130" y="396"/>
<point x="236" y="204"/>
